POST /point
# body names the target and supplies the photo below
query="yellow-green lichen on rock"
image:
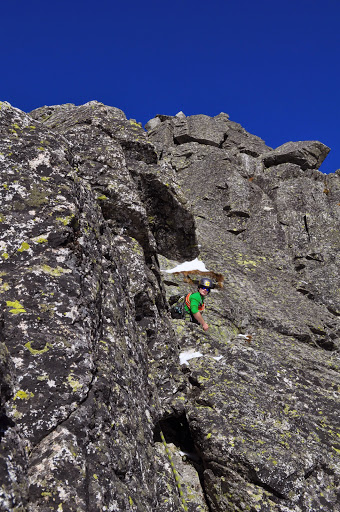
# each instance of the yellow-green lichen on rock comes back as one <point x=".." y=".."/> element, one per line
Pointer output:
<point x="16" y="307"/>
<point x="24" y="247"/>
<point x="36" y="352"/>
<point x="23" y="395"/>
<point x="55" y="272"/>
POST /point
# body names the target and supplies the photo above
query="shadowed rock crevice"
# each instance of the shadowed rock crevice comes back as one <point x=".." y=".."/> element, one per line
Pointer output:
<point x="143" y="309"/>
<point x="171" y="223"/>
<point x="5" y="424"/>
<point x="322" y="339"/>
<point x="176" y="431"/>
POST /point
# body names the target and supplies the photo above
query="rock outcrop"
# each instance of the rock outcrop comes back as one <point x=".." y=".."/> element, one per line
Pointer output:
<point x="108" y="404"/>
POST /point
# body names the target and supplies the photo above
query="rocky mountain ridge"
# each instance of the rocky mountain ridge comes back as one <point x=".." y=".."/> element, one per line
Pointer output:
<point x="97" y="411"/>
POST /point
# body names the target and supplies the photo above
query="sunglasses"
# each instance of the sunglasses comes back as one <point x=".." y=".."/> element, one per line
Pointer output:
<point x="205" y="288"/>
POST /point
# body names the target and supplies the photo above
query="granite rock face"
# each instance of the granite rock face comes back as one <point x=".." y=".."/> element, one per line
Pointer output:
<point x="308" y="155"/>
<point x="108" y="404"/>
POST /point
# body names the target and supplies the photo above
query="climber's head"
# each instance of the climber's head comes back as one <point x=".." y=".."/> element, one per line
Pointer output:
<point x="204" y="286"/>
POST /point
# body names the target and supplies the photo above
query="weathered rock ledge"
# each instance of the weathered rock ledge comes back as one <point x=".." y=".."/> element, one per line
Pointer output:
<point x="94" y="210"/>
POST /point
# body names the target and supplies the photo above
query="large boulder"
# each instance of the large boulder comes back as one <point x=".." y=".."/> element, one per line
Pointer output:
<point x="307" y="154"/>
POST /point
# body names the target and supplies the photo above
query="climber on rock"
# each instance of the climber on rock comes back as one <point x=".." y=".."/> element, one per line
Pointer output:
<point x="194" y="303"/>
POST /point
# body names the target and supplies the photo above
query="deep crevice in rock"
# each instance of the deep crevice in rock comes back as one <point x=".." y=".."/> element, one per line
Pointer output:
<point x="139" y="151"/>
<point x="306" y="226"/>
<point x="310" y="471"/>
<point x="237" y="213"/>
<point x="172" y="225"/>
<point x="323" y="343"/>
<point x="186" y="138"/>
<point x="268" y="488"/>
<point x="254" y="479"/>
<point x="176" y="431"/>
<point x="333" y="312"/>
<point x="5" y="424"/>
<point x="142" y="307"/>
<point x="307" y="293"/>
<point x="300" y="267"/>
<point x="170" y="283"/>
<point x="225" y="136"/>
<point x="314" y="257"/>
<point x="235" y="231"/>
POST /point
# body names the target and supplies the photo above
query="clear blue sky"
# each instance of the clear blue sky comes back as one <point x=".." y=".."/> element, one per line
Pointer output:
<point x="272" y="65"/>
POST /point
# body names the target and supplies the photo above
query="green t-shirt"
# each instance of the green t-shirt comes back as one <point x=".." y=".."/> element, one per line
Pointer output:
<point x="196" y="300"/>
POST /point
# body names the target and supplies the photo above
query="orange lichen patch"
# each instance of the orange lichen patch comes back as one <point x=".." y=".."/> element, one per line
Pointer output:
<point x="188" y="274"/>
<point x="251" y="178"/>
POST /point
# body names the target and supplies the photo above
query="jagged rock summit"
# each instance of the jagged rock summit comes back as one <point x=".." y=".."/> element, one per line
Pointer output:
<point x="108" y="404"/>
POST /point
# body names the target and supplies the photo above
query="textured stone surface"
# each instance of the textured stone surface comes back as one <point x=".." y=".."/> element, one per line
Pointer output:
<point x="307" y="154"/>
<point x="93" y="211"/>
<point x="264" y="415"/>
